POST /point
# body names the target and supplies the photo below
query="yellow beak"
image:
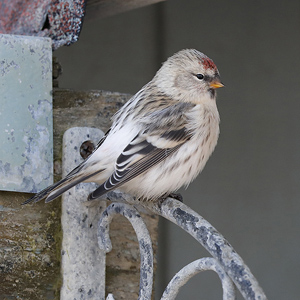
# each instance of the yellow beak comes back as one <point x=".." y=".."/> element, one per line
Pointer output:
<point x="216" y="84"/>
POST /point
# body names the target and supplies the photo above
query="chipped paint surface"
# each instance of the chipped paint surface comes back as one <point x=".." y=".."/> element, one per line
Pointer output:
<point x="144" y="239"/>
<point x="220" y="249"/>
<point x="26" y="126"/>
<point x="83" y="263"/>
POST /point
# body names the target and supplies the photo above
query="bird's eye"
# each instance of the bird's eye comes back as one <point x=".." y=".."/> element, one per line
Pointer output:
<point x="200" y="76"/>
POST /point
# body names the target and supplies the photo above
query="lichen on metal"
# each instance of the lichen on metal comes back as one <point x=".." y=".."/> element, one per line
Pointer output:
<point x="61" y="20"/>
<point x="143" y="236"/>
<point x="26" y="126"/>
<point x="225" y="261"/>
<point x="201" y="230"/>
<point x="192" y="269"/>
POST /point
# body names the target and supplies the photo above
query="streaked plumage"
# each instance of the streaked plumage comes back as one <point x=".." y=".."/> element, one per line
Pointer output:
<point x="160" y="139"/>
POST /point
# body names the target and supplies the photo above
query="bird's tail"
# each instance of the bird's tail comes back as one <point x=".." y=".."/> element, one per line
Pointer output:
<point x="55" y="190"/>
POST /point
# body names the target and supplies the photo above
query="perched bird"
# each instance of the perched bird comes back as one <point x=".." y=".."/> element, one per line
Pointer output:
<point x="160" y="139"/>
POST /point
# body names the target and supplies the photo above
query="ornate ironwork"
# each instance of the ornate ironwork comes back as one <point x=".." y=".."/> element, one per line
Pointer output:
<point x="192" y="269"/>
<point x="146" y="270"/>
<point x="224" y="261"/>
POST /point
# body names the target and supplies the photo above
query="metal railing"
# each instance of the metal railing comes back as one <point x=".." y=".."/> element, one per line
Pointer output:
<point x="229" y="266"/>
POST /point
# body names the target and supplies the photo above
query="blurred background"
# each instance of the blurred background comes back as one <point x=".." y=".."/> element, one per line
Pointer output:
<point x="250" y="188"/>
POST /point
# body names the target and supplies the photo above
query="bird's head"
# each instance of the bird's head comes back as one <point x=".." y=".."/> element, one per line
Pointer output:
<point x="190" y="76"/>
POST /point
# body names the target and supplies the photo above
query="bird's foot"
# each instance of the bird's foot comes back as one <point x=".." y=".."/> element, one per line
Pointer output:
<point x="175" y="196"/>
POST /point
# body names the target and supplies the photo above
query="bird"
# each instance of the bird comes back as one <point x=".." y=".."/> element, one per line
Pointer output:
<point x="160" y="140"/>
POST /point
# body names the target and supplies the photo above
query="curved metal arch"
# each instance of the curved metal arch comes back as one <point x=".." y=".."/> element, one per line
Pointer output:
<point x="192" y="269"/>
<point x="226" y="262"/>
<point x="201" y="230"/>
<point x="143" y="236"/>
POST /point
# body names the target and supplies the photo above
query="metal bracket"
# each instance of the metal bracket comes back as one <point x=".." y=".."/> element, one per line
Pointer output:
<point x="83" y="262"/>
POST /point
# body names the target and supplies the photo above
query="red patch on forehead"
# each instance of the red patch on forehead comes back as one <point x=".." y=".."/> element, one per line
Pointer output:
<point x="208" y="64"/>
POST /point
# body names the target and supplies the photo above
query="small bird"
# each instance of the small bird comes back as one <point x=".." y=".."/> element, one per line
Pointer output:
<point x="160" y="140"/>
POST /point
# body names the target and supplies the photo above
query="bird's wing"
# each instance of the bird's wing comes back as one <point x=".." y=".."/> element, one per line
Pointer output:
<point x="165" y="132"/>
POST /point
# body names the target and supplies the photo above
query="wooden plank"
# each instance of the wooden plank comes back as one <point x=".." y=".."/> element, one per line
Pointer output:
<point x="104" y="8"/>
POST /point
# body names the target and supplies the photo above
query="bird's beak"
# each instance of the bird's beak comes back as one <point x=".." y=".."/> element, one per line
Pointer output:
<point x="216" y="84"/>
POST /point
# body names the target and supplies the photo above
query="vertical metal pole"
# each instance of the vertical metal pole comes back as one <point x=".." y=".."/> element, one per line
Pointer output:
<point x="83" y="262"/>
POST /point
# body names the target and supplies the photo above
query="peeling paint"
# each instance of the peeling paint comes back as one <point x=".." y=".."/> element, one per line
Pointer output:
<point x="26" y="126"/>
